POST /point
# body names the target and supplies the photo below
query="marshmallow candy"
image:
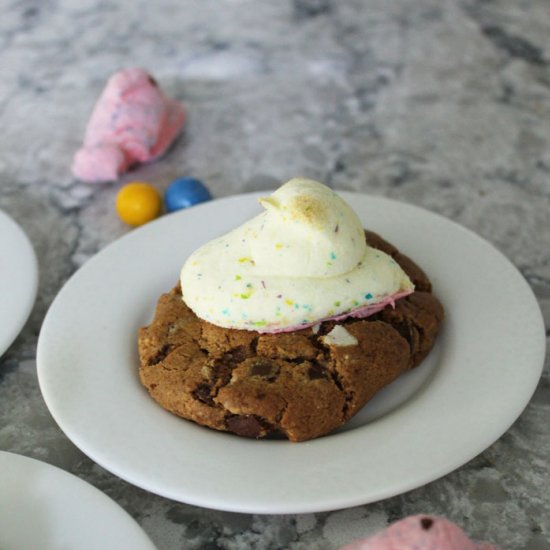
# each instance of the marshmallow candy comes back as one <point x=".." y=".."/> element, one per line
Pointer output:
<point x="301" y="261"/>
<point x="132" y="122"/>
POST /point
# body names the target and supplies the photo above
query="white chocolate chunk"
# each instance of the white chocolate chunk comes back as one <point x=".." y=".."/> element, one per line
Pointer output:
<point x="339" y="336"/>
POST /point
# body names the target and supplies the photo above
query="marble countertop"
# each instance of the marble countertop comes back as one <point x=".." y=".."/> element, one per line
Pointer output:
<point x="445" y="105"/>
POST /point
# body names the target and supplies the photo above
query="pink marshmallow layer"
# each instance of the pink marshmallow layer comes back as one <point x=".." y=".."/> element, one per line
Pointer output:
<point x="358" y="313"/>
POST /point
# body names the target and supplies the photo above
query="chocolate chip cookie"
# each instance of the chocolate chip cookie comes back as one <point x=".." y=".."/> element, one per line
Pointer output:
<point x="296" y="385"/>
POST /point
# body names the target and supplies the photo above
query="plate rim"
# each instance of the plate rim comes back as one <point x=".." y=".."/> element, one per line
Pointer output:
<point x="334" y="502"/>
<point x="30" y="466"/>
<point x="29" y="293"/>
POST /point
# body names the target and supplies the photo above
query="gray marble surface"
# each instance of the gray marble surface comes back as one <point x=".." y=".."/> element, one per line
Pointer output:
<point x="442" y="104"/>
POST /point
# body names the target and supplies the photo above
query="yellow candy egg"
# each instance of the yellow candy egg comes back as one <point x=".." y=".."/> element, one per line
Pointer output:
<point x="138" y="203"/>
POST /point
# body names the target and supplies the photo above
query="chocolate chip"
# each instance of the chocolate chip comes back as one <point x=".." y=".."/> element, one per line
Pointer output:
<point x="265" y="368"/>
<point x="426" y="523"/>
<point x="202" y="393"/>
<point x="246" y="425"/>
<point x="160" y="355"/>
<point x="238" y="354"/>
<point x="316" y="372"/>
<point x="223" y="366"/>
<point x="276" y="434"/>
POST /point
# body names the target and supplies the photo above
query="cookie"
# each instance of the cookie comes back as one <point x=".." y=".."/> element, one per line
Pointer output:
<point x="296" y="385"/>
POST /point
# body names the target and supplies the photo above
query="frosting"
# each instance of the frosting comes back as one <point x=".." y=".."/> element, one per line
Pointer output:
<point x="303" y="260"/>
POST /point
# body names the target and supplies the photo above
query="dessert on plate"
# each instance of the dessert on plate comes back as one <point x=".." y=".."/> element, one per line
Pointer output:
<point x="287" y="325"/>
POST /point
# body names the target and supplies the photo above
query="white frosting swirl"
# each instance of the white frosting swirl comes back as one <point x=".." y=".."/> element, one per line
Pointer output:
<point x="302" y="260"/>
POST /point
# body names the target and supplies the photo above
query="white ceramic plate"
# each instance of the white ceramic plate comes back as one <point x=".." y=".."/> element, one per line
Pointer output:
<point x="18" y="280"/>
<point x="45" y="507"/>
<point x="475" y="383"/>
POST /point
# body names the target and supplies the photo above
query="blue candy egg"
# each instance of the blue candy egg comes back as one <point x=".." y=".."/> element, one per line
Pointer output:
<point x="185" y="192"/>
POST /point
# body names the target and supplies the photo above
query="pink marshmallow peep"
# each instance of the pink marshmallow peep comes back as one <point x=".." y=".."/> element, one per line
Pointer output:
<point x="132" y="122"/>
<point x="420" y="533"/>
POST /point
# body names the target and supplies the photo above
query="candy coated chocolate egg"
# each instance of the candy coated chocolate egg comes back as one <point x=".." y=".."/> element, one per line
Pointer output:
<point x="138" y="203"/>
<point x="185" y="192"/>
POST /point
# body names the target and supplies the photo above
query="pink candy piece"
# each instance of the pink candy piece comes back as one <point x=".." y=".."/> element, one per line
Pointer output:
<point x="420" y="533"/>
<point x="132" y="122"/>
